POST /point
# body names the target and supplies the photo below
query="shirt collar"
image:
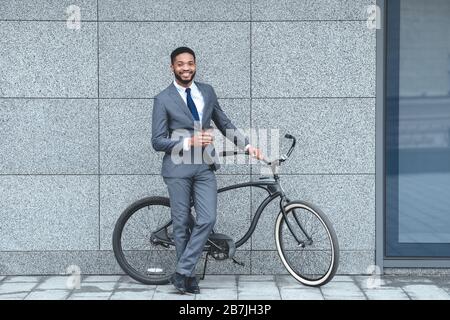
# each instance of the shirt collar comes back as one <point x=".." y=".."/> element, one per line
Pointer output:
<point x="183" y="89"/>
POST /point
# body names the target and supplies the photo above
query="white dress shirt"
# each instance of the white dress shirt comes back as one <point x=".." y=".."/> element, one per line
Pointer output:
<point x="195" y="94"/>
<point x="199" y="104"/>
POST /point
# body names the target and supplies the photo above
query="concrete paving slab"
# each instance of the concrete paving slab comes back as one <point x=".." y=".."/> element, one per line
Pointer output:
<point x="342" y="291"/>
<point x="258" y="291"/>
<point x="16" y="287"/>
<point x="56" y="282"/>
<point x="218" y="282"/>
<point x="301" y="294"/>
<point x="101" y="278"/>
<point x="135" y="286"/>
<point x="90" y="296"/>
<point x="285" y="281"/>
<point x="56" y="294"/>
<point x="96" y="287"/>
<point x="258" y="296"/>
<point x="132" y="295"/>
<point x="217" y="294"/>
<point x="255" y="285"/>
<point x="257" y="278"/>
<point x="13" y="296"/>
<point x="169" y="292"/>
<point x="426" y="292"/>
<point x="386" y="293"/>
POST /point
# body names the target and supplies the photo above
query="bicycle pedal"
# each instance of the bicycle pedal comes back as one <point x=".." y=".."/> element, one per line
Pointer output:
<point x="238" y="263"/>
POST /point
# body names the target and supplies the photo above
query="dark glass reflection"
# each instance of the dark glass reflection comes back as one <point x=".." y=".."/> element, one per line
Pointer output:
<point x="418" y="128"/>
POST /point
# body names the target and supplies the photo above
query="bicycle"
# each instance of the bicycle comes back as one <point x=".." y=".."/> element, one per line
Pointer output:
<point x="300" y="229"/>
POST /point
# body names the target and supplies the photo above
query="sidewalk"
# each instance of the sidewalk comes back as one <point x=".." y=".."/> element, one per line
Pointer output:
<point x="227" y="287"/>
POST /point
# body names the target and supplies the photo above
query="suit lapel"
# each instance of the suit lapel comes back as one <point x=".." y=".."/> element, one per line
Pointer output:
<point x="179" y="101"/>
<point x="182" y="105"/>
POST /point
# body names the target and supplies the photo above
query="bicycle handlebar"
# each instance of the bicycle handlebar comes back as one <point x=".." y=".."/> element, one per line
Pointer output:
<point x="266" y="161"/>
<point x="289" y="136"/>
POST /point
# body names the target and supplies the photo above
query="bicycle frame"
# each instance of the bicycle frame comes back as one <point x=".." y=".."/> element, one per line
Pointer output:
<point x="275" y="190"/>
<point x="272" y="187"/>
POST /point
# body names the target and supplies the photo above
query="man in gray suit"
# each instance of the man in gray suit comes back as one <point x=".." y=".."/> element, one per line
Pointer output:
<point x="181" y="128"/>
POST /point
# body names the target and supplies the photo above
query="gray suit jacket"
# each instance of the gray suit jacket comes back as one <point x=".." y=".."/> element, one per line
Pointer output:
<point x="172" y="121"/>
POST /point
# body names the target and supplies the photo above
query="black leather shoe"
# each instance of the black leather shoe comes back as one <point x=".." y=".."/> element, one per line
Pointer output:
<point x="179" y="282"/>
<point x="192" y="285"/>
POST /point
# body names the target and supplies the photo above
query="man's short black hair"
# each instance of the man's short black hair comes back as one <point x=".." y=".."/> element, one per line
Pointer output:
<point x="181" y="50"/>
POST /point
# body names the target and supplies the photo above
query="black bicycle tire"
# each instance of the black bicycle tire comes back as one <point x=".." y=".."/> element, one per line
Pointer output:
<point x="118" y="228"/>
<point x="332" y="233"/>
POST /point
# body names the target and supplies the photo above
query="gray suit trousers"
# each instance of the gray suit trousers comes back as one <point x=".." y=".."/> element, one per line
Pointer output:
<point x="202" y="186"/>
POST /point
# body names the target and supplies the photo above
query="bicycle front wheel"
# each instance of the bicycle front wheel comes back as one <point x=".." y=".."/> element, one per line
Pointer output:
<point x="312" y="256"/>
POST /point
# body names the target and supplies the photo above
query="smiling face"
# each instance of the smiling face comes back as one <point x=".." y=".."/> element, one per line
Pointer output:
<point x="183" y="67"/>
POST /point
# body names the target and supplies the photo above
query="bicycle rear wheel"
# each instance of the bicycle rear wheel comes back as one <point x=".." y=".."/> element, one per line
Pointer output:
<point x="313" y="261"/>
<point x="137" y="251"/>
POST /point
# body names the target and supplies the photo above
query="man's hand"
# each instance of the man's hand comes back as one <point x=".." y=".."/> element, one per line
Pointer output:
<point x="255" y="152"/>
<point x="201" y="139"/>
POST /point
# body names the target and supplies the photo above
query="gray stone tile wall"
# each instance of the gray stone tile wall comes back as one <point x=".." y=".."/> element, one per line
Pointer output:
<point x="75" y="121"/>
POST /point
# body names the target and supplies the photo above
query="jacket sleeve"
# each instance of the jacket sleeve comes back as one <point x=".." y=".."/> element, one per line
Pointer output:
<point x="160" y="130"/>
<point x="225" y="125"/>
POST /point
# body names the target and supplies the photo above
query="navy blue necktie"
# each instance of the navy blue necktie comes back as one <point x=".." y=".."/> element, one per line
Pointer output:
<point x="191" y="105"/>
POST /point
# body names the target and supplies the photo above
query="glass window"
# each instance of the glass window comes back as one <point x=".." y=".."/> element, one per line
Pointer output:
<point x="417" y="145"/>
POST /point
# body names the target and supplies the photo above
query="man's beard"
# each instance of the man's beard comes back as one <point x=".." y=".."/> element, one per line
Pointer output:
<point x="181" y="79"/>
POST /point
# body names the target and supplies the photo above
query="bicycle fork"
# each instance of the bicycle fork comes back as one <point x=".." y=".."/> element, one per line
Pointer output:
<point x="301" y="243"/>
